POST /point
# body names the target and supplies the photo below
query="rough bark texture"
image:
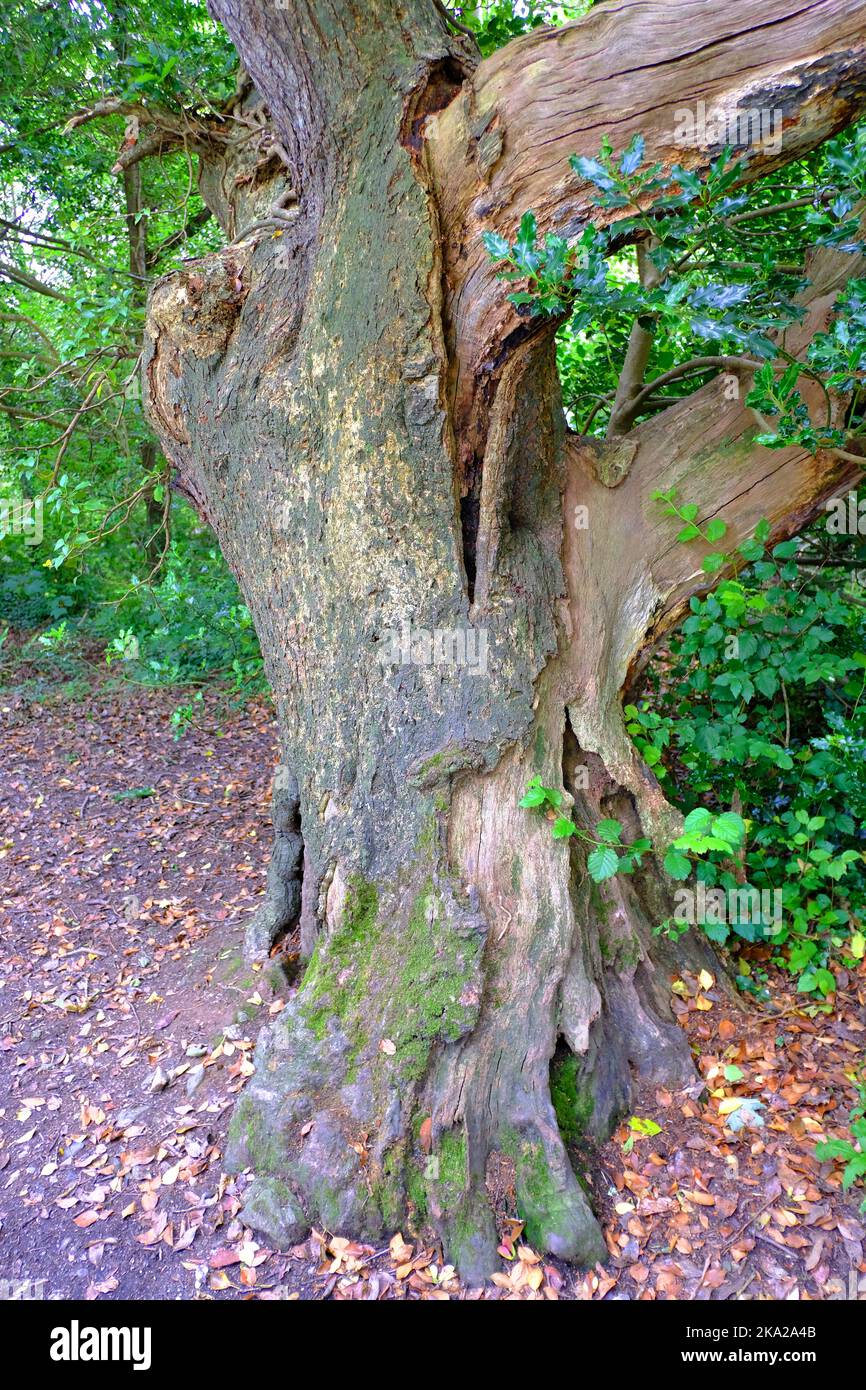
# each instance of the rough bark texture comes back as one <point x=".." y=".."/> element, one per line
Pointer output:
<point x="380" y="445"/>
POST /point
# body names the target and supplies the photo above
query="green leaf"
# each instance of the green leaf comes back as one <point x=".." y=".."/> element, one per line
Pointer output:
<point x="712" y="563"/>
<point x="826" y="981"/>
<point x="855" y="1168"/>
<point x="527" y="232"/>
<point x="534" y="797"/>
<point x="676" y="864"/>
<point x="833" y="1148"/>
<point x="609" y="831"/>
<point x="633" y="157"/>
<point x="767" y="682"/>
<point x="602" y="863"/>
<point x="134" y="794"/>
<point x="715" y="529"/>
<point x="641" y="1126"/>
<point x="562" y="827"/>
<point x="496" y="246"/>
<point x="730" y="827"/>
<point x="593" y="171"/>
<point x="717" y="932"/>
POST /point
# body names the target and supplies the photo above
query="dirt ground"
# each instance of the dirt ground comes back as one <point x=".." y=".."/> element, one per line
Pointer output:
<point x="129" y="864"/>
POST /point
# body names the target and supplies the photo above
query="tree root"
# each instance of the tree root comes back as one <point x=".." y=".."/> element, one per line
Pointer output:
<point x="282" y="902"/>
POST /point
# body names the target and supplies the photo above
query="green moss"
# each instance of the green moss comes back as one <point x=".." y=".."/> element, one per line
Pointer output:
<point x="335" y="982"/>
<point x="620" y="953"/>
<point x="453" y="1169"/>
<point x="572" y="1101"/>
<point x="462" y="1207"/>
<point x="436" y="964"/>
<point x="281" y="1192"/>
<point x="327" y="1203"/>
<point x="428" y="838"/>
<point x="539" y="751"/>
<point x="436" y="769"/>
<point x="276" y="977"/>
<point x="375" y="982"/>
<point x="599" y="906"/>
<point x="464" y="1224"/>
<point x="516" y="873"/>
<point x="362" y="906"/>
<point x="543" y="1207"/>
<point x="430" y="764"/>
<point x="628" y="953"/>
<point x="249" y="1134"/>
<point x="387" y="1188"/>
<point x="417" y="1192"/>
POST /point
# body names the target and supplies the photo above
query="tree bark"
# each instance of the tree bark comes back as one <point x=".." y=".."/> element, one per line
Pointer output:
<point x="156" y="537"/>
<point x="379" y="443"/>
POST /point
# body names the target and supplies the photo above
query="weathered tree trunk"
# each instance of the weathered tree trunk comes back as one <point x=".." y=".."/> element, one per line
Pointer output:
<point x="379" y="444"/>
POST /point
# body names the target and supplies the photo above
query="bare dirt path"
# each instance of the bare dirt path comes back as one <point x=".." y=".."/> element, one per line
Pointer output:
<point x="129" y="863"/>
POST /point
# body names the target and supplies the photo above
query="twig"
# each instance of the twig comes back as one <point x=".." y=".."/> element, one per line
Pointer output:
<point x="746" y="1224"/>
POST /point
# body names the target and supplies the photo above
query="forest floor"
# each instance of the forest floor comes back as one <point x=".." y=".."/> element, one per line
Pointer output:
<point x="129" y="864"/>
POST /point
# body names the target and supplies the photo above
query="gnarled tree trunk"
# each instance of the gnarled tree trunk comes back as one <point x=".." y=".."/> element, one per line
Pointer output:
<point x="379" y="443"/>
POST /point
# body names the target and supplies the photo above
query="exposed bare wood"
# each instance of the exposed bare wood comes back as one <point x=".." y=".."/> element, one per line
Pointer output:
<point x="503" y="146"/>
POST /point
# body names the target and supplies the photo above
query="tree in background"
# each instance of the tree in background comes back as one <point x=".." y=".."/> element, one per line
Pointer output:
<point x="101" y="122"/>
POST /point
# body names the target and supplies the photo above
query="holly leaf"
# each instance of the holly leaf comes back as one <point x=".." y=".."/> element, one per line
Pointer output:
<point x="496" y="246"/>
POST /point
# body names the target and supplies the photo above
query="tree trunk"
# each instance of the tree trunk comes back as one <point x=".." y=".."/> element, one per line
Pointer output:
<point x="156" y="539"/>
<point x="380" y="446"/>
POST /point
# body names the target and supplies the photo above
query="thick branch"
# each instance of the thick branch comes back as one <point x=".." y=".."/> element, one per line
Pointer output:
<point x="703" y="446"/>
<point x="503" y="147"/>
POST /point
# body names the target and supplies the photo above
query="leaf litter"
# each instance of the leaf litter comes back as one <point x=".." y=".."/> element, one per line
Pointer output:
<point x="128" y="1022"/>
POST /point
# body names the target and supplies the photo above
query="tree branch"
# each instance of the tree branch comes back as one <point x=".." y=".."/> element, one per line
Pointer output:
<point x="703" y="447"/>
<point x="693" y="367"/>
<point x="640" y="342"/>
<point x="503" y="147"/>
<point x="192" y="225"/>
<point x="29" y="282"/>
